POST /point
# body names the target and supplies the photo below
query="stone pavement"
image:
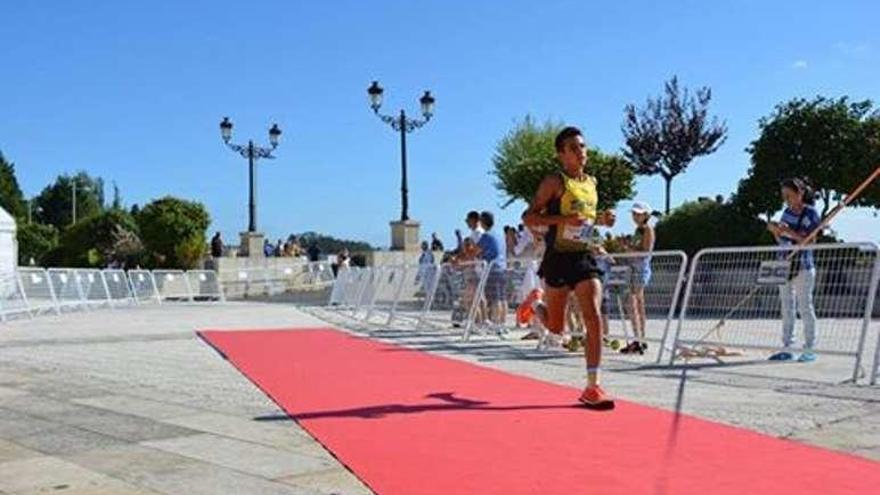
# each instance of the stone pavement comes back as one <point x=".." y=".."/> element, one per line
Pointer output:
<point x="130" y="401"/>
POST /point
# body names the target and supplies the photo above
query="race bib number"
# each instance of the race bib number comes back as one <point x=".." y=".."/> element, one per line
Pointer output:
<point x="582" y="233"/>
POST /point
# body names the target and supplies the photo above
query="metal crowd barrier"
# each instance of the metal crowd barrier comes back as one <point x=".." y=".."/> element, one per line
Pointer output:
<point x="31" y="291"/>
<point x="13" y="300"/>
<point x="731" y="299"/>
<point x="743" y="298"/>
<point x="143" y="286"/>
<point x="37" y="292"/>
<point x="172" y="285"/>
<point x="660" y="278"/>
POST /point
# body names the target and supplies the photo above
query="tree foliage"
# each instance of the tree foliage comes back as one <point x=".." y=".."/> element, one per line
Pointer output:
<point x="55" y="202"/>
<point x="35" y="241"/>
<point x="670" y="131"/>
<point x="109" y="237"/>
<point x="527" y="154"/>
<point x="331" y="245"/>
<point x="701" y="224"/>
<point x="11" y="197"/>
<point x="834" y="143"/>
<point x="173" y="232"/>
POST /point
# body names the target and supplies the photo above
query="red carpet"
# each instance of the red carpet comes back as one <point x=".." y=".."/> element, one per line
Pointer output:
<point x="407" y="422"/>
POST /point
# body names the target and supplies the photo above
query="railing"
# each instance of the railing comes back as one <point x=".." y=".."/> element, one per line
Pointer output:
<point x="733" y="299"/>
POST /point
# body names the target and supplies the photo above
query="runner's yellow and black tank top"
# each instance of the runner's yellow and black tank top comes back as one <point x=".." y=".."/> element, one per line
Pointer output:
<point x="579" y="197"/>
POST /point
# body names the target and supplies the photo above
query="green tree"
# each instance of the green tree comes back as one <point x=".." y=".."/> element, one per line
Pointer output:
<point x="99" y="240"/>
<point x="331" y="245"/>
<point x="56" y="200"/>
<point x="11" y="197"/>
<point x="700" y="224"/>
<point x="35" y="241"/>
<point x="670" y="131"/>
<point x="834" y="143"/>
<point x="173" y="232"/>
<point x="527" y="154"/>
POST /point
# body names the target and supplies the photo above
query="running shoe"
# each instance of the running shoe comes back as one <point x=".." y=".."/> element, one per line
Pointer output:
<point x="633" y="347"/>
<point x="594" y="397"/>
<point x="781" y="356"/>
<point x="807" y="357"/>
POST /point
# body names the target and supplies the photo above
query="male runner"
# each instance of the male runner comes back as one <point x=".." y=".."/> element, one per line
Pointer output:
<point x="567" y="202"/>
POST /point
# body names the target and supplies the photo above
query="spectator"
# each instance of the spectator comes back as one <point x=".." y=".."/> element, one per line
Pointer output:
<point x="426" y="267"/>
<point x="293" y="247"/>
<point x="495" y="290"/>
<point x="509" y="240"/>
<point x="436" y="243"/>
<point x="217" y="246"/>
<point x="642" y="241"/>
<point x="314" y="252"/>
<point x="343" y="259"/>
<point x="799" y="220"/>
<point x="476" y="230"/>
<point x="268" y="249"/>
<point x="279" y="248"/>
<point x="525" y="244"/>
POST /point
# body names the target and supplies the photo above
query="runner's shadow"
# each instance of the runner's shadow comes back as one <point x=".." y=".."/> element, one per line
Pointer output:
<point x="449" y="402"/>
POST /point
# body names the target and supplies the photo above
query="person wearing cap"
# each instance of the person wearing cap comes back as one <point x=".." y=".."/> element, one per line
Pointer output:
<point x="642" y="241"/>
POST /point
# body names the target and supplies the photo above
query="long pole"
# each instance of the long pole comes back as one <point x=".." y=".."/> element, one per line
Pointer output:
<point x="404" y="215"/>
<point x="30" y="211"/>
<point x="252" y="199"/>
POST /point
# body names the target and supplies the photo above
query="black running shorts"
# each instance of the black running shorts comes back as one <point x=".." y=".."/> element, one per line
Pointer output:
<point x="562" y="269"/>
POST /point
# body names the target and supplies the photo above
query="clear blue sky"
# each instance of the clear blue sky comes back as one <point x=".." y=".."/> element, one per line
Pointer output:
<point x="134" y="91"/>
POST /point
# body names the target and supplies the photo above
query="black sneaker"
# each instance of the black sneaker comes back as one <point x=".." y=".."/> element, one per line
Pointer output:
<point x="631" y="348"/>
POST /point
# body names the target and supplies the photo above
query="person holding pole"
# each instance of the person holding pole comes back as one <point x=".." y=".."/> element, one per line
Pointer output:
<point x="799" y="220"/>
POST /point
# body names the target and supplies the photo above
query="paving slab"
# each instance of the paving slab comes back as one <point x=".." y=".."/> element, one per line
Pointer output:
<point x="66" y="440"/>
<point x="48" y="474"/>
<point x="11" y="451"/>
<point x="275" y="432"/>
<point x="120" y="426"/>
<point x="242" y="456"/>
<point x="137" y="406"/>
<point x="336" y="481"/>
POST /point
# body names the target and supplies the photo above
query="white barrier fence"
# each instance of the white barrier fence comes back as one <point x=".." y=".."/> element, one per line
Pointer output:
<point x="732" y="299"/>
<point x="31" y="291"/>
<point x="750" y="298"/>
<point x="267" y="281"/>
<point x="641" y="292"/>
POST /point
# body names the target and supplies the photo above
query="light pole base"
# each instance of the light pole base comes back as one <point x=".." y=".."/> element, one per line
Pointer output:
<point x="251" y="245"/>
<point x="405" y="235"/>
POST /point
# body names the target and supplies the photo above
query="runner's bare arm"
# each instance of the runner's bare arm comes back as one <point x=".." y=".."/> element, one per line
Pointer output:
<point x="536" y="215"/>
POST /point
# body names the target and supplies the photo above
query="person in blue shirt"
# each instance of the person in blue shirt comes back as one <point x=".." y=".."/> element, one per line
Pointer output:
<point x="799" y="220"/>
<point x="496" y="284"/>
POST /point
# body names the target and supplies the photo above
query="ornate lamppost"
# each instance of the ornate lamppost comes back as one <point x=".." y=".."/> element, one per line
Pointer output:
<point x="405" y="232"/>
<point x="252" y="241"/>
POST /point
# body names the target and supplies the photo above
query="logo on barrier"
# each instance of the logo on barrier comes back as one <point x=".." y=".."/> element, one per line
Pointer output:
<point x="618" y="276"/>
<point x="116" y="278"/>
<point x="203" y="277"/>
<point x="774" y="273"/>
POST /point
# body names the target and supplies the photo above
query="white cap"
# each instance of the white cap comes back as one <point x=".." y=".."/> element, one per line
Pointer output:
<point x="639" y="207"/>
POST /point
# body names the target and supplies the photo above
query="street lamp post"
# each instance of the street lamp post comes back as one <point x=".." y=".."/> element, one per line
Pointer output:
<point x="252" y="152"/>
<point x="73" y="187"/>
<point x="403" y="125"/>
<point x="30" y="207"/>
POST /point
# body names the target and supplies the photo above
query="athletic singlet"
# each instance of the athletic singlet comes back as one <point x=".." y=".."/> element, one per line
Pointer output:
<point x="579" y="198"/>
